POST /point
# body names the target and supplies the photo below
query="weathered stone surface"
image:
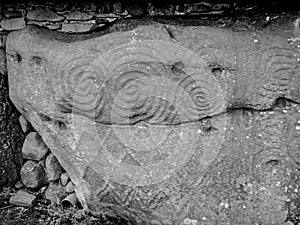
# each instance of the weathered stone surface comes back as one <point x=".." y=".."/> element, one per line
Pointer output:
<point x="44" y="14"/>
<point x="22" y="198"/>
<point x="166" y="124"/>
<point x="53" y="168"/>
<point x="55" y="192"/>
<point x="76" y="27"/>
<point x="12" y="23"/>
<point x="33" y="174"/>
<point x="25" y="125"/>
<point x="64" y="178"/>
<point x="34" y="147"/>
<point x="70" y="187"/>
<point x="78" y="16"/>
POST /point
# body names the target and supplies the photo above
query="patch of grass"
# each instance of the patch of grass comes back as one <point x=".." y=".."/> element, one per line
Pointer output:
<point x="44" y="213"/>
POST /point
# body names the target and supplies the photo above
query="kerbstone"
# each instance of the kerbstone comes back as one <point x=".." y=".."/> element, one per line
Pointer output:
<point x="158" y="121"/>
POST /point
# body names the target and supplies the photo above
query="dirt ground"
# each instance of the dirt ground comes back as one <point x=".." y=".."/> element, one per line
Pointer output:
<point x="43" y="212"/>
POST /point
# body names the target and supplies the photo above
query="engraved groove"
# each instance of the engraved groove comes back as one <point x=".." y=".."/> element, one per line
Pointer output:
<point x="79" y="84"/>
<point x="197" y="98"/>
<point x="280" y="63"/>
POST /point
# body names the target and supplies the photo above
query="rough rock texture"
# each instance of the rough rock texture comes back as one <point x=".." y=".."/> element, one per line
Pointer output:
<point x="64" y="178"/>
<point x="78" y="16"/>
<point x="76" y="27"/>
<point x="53" y="169"/>
<point x="33" y="174"/>
<point x="34" y="147"/>
<point x="11" y="137"/>
<point x="70" y="187"/>
<point x="22" y="198"/>
<point x="167" y="124"/>
<point x="44" y="14"/>
<point x="13" y="23"/>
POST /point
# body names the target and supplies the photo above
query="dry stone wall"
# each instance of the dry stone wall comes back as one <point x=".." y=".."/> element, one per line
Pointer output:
<point x="84" y="17"/>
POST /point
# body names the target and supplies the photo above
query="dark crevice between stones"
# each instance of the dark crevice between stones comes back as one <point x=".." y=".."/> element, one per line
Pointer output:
<point x="279" y="102"/>
<point x="11" y="137"/>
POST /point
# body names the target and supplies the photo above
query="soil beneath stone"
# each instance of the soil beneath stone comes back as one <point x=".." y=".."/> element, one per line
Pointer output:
<point x="42" y="212"/>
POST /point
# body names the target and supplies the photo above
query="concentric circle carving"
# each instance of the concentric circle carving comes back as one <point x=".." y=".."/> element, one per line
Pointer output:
<point x="154" y="114"/>
<point x="80" y="83"/>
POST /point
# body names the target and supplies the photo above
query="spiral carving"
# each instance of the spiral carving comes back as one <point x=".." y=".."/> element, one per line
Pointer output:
<point x="131" y="84"/>
<point x="281" y="64"/>
<point x="198" y="97"/>
<point x="80" y="84"/>
<point x="139" y="96"/>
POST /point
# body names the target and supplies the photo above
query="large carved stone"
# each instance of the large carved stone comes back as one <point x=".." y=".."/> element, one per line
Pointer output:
<point x="137" y="114"/>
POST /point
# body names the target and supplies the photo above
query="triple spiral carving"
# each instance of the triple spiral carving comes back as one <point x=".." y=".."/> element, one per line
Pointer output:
<point x="131" y="84"/>
<point x="79" y="84"/>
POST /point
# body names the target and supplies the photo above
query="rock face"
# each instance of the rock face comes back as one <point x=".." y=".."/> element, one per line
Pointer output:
<point x="44" y="14"/>
<point x="13" y="23"/>
<point x="34" y="148"/>
<point x="22" y="198"/>
<point x="33" y="174"/>
<point x="137" y="116"/>
<point x="53" y="168"/>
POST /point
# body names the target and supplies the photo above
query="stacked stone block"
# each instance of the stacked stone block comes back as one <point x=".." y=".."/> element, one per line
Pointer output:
<point x="41" y="171"/>
<point x="89" y="16"/>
